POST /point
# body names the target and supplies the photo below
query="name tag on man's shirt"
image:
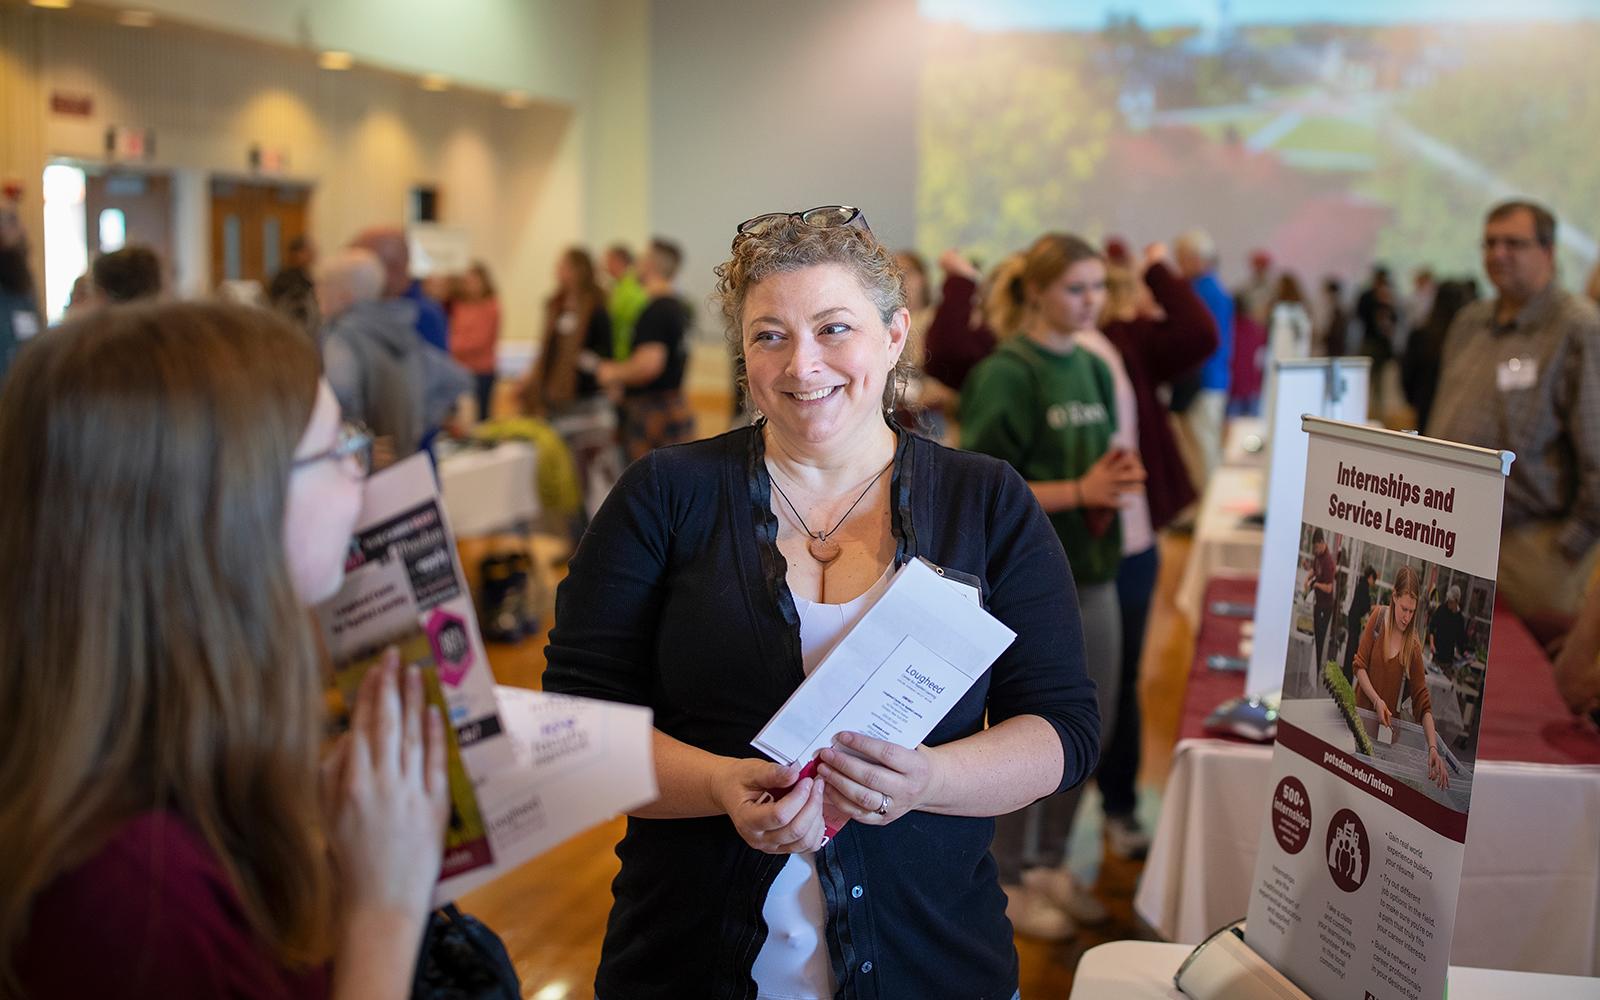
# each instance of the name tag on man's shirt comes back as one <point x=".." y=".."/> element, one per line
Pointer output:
<point x="1516" y="374"/>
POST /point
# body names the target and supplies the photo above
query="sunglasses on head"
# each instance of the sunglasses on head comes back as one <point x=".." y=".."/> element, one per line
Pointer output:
<point x="822" y="217"/>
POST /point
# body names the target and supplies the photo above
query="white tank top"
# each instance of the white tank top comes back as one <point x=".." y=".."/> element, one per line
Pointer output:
<point x="793" y="963"/>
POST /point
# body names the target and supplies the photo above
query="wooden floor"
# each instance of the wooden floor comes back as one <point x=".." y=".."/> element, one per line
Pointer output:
<point x="551" y="913"/>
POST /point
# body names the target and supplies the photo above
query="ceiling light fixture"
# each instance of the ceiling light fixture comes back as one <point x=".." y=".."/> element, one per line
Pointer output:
<point x="516" y="100"/>
<point x="435" y="82"/>
<point x="51" y="4"/>
<point x="336" y="59"/>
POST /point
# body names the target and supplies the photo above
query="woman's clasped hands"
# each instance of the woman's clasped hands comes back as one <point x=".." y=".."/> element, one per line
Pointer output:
<point x="858" y="779"/>
<point x="1117" y="472"/>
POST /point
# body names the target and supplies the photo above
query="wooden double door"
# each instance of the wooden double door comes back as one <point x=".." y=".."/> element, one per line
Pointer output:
<point x="252" y="225"/>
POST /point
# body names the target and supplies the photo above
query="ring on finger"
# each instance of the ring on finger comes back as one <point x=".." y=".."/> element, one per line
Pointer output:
<point x="883" y="807"/>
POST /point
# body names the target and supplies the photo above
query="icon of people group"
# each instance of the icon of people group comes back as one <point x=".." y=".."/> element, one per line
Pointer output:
<point x="1347" y="850"/>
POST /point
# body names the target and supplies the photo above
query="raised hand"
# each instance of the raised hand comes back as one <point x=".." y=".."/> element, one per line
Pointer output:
<point x="389" y="795"/>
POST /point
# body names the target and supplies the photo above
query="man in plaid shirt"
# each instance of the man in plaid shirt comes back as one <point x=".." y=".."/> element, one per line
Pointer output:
<point x="1522" y="372"/>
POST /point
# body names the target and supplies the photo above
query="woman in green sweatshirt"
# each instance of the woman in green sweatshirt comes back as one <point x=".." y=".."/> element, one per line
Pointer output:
<point x="1048" y="407"/>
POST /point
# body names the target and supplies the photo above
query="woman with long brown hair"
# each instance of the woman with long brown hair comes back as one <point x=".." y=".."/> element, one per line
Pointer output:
<point x="178" y="489"/>
<point x="1390" y="655"/>
<point x="561" y="385"/>
<point x="575" y="322"/>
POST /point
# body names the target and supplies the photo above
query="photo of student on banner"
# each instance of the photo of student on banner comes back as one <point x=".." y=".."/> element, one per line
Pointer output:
<point x="1402" y="661"/>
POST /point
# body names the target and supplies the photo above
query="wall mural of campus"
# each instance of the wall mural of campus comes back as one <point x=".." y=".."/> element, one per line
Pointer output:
<point x="1331" y="134"/>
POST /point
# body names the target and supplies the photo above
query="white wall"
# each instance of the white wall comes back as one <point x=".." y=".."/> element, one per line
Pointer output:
<point x="765" y="106"/>
<point x="513" y="179"/>
<point x="542" y="46"/>
<point x="592" y="56"/>
<point x="616" y="126"/>
<point x="217" y="76"/>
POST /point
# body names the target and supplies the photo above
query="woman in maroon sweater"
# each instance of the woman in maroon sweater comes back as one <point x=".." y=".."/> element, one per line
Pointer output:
<point x="179" y="487"/>
<point x="1159" y="341"/>
<point x="1158" y="347"/>
<point x="957" y="337"/>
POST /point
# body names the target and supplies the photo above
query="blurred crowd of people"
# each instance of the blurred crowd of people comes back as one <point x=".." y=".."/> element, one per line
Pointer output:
<point x="401" y="352"/>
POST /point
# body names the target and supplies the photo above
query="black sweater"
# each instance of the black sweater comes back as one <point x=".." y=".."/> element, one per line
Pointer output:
<point x="677" y="599"/>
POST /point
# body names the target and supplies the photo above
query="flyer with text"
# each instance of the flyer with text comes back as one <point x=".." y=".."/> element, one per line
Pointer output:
<point x="1359" y="866"/>
<point x="527" y="769"/>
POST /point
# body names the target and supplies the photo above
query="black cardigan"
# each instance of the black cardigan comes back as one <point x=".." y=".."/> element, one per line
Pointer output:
<point x="677" y="599"/>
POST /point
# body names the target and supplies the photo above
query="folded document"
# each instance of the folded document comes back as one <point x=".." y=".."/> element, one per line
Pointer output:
<point x="913" y="655"/>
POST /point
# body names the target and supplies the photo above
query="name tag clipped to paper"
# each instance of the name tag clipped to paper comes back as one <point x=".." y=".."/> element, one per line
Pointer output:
<point x="1516" y="374"/>
<point x="964" y="584"/>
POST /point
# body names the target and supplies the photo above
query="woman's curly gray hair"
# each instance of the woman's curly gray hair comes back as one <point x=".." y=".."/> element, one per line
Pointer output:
<point x="789" y="245"/>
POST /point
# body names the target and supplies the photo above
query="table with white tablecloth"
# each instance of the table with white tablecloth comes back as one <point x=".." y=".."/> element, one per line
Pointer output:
<point x="488" y="490"/>
<point x="1227" y="540"/>
<point x="1530" y="881"/>
<point x="1143" y="970"/>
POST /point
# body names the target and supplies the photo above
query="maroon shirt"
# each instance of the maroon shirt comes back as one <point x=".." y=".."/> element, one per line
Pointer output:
<point x="953" y="346"/>
<point x="1156" y="351"/>
<point x="152" y="915"/>
<point x="1326" y="572"/>
<point x="1249" y="354"/>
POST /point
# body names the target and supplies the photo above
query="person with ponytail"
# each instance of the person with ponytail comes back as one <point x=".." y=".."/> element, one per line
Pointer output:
<point x="1389" y="660"/>
<point x="1161" y="330"/>
<point x="179" y="488"/>
<point x="1048" y="406"/>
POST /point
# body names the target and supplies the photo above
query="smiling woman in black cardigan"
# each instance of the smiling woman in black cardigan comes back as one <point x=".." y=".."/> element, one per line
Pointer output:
<point x="688" y="595"/>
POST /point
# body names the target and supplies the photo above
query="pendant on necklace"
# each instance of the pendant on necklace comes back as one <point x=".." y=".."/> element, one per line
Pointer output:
<point x="823" y="550"/>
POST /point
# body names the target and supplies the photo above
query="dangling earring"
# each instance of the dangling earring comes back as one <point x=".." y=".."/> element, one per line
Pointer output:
<point x="900" y="382"/>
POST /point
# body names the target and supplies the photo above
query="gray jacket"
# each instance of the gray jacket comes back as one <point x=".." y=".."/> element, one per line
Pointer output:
<point x="373" y="359"/>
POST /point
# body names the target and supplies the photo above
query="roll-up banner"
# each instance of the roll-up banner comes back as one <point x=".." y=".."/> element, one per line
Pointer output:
<point x="1360" y="862"/>
<point x="1336" y="388"/>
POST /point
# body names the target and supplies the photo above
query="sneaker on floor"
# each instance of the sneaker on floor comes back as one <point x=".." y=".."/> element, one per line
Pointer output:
<point x="1062" y="891"/>
<point x="1127" y="838"/>
<point x="1034" y="916"/>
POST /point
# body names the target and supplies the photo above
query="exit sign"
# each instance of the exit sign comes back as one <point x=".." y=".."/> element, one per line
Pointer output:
<point x="125" y="144"/>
